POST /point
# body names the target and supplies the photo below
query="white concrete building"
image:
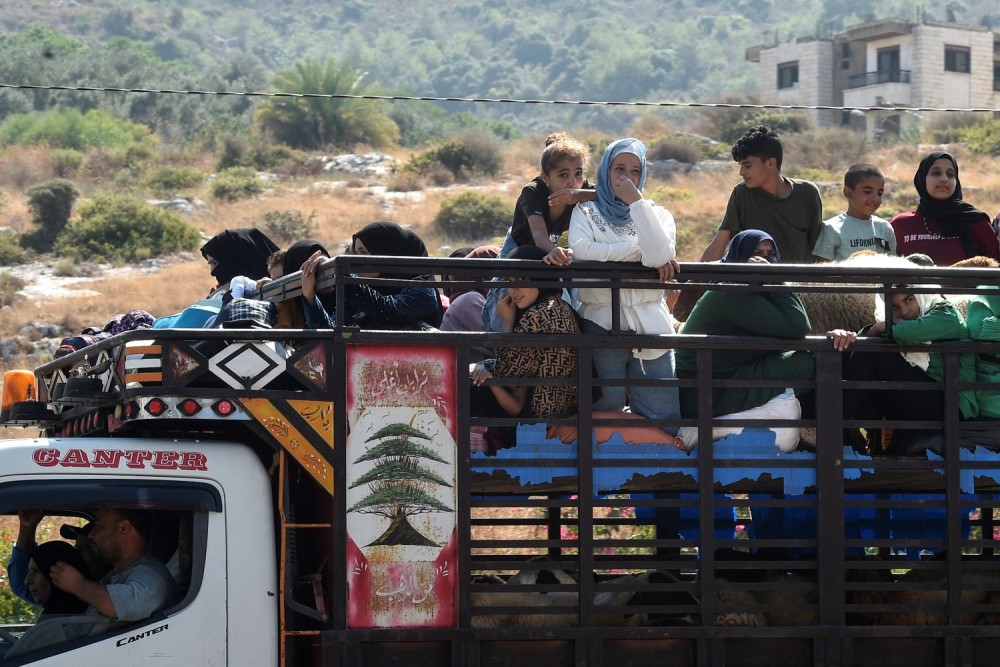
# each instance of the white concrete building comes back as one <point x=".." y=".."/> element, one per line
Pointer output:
<point x="890" y="63"/>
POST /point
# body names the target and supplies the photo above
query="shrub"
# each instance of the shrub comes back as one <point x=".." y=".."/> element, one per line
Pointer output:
<point x="672" y="148"/>
<point x="67" y="267"/>
<point x="299" y="168"/>
<point x="235" y="149"/>
<point x="832" y="149"/>
<point x="439" y="175"/>
<point x="665" y="194"/>
<point x="727" y="124"/>
<point x="289" y="226"/>
<point x="236" y="183"/>
<point x="122" y="228"/>
<point x="10" y="249"/>
<point x="24" y="166"/>
<point x="51" y="204"/>
<point x="468" y="154"/>
<point x="983" y="139"/>
<point x="70" y="128"/>
<point x="168" y="180"/>
<point x="946" y="128"/>
<point x="267" y="156"/>
<point x="473" y="215"/>
<point x="819" y="176"/>
<point x="9" y="286"/>
<point x="254" y="152"/>
<point x="101" y="165"/>
<point x="419" y="123"/>
<point x="404" y="180"/>
<point x="66" y="161"/>
<point x="117" y="164"/>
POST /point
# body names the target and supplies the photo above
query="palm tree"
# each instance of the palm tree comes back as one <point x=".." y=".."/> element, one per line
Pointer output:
<point x="317" y="122"/>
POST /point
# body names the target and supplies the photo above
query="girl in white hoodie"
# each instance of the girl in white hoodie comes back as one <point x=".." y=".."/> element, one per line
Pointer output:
<point x="621" y="226"/>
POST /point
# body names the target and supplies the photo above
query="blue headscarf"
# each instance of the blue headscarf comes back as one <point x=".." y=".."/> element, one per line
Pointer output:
<point x="743" y="245"/>
<point x="614" y="210"/>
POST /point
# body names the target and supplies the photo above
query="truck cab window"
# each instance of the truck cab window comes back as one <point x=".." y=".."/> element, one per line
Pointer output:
<point x="143" y="558"/>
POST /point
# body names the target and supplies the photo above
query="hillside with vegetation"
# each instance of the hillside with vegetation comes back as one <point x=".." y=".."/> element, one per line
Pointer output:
<point x="652" y="50"/>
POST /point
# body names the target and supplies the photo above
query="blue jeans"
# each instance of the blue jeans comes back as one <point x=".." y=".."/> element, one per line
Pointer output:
<point x="490" y="320"/>
<point x="652" y="402"/>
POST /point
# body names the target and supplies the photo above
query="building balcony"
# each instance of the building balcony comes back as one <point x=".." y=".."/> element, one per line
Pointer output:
<point x="877" y="78"/>
<point x="882" y="95"/>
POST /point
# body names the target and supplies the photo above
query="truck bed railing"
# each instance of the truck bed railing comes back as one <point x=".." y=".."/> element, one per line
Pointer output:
<point x="609" y="552"/>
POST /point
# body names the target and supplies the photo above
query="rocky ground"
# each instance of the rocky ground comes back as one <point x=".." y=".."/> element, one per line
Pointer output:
<point x="37" y="341"/>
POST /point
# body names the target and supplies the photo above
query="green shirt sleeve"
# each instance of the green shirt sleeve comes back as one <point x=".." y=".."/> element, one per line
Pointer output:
<point x="982" y="320"/>
<point x="941" y="322"/>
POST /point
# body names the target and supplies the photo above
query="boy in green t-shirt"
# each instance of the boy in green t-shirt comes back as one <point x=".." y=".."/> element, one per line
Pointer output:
<point x="788" y="209"/>
<point x="858" y="228"/>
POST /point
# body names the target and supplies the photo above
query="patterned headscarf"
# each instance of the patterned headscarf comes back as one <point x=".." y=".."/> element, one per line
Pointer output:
<point x="130" y="321"/>
<point x="614" y="210"/>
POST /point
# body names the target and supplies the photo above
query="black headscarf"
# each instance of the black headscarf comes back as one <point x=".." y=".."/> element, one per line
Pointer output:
<point x="239" y="252"/>
<point x="744" y="244"/>
<point x="388" y="238"/>
<point x="295" y="257"/>
<point x="45" y="556"/>
<point x="299" y="252"/>
<point x="952" y="215"/>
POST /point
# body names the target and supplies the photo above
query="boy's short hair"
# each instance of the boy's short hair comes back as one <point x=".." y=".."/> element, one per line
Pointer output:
<point x="275" y="258"/>
<point x="759" y="141"/>
<point x="859" y="172"/>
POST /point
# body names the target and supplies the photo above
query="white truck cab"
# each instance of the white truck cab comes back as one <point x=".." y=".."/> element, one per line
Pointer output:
<point x="212" y="522"/>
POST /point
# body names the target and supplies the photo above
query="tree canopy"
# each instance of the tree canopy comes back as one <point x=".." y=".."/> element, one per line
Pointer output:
<point x="317" y="122"/>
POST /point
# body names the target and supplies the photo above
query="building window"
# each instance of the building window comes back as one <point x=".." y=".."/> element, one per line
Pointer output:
<point x="887" y="62"/>
<point x="845" y="55"/>
<point x="956" y="59"/>
<point x="788" y="75"/>
<point x="996" y="75"/>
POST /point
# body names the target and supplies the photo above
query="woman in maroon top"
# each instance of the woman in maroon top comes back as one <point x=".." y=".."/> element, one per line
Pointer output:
<point x="944" y="227"/>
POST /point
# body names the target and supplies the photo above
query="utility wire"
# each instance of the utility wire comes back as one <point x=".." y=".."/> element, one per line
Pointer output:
<point x="486" y="100"/>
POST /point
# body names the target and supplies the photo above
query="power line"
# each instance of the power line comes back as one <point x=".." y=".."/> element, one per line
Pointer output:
<point x="487" y="100"/>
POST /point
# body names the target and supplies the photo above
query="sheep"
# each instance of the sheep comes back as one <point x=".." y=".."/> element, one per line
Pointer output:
<point x="854" y="311"/>
<point x="563" y="598"/>
<point x="921" y="596"/>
